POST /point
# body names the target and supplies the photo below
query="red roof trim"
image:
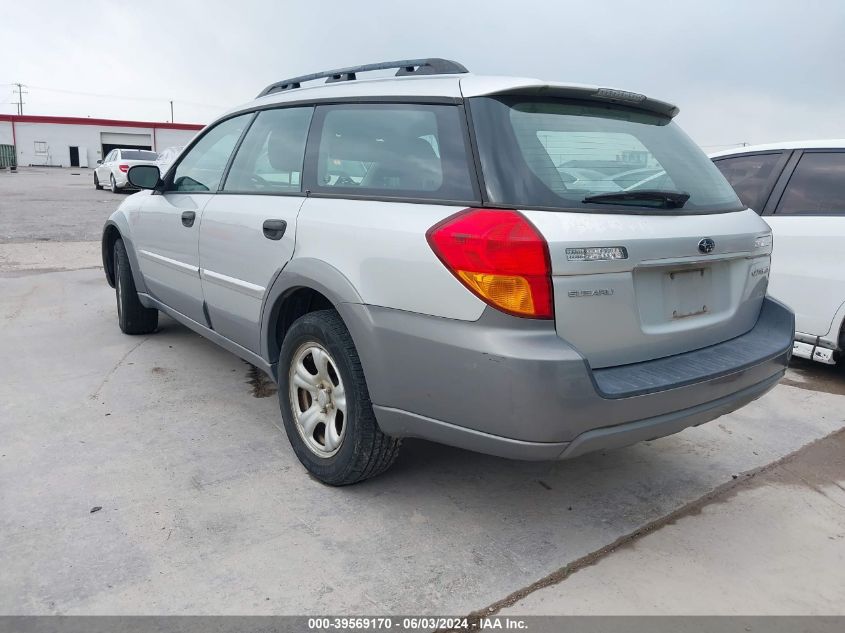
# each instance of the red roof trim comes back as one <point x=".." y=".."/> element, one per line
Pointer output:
<point x="69" y="120"/>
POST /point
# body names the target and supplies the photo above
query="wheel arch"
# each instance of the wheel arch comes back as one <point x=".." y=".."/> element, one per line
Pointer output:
<point x="842" y="334"/>
<point x="110" y="235"/>
<point x="112" y="231"/>
<point x="303" y="286"/>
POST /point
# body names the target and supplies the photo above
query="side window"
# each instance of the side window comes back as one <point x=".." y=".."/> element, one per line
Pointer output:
<point x="393" y="150"/>
<point x="816" y="187"/>
<point x="110" y="156"/>
<point x="201" y="169"/>
<point x="271" y="155"/>
<point x="751" y="176"/>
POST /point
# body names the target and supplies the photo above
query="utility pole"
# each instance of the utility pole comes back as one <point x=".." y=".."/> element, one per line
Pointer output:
<point x="171" y="112"/>
<point x="21" y="93"/>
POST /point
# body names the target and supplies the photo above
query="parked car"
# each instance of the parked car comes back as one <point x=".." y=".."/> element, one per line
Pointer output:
<point x="113" y="168"/>
<point x="166" y="157"/>
<point x="799" y="188"/>
<point x="452" y="287"/>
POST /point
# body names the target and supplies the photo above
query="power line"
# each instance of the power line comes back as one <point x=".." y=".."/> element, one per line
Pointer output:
<point x="127" y="98"/>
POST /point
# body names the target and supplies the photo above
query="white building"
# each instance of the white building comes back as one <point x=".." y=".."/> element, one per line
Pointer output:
<point x="81" y="142"/>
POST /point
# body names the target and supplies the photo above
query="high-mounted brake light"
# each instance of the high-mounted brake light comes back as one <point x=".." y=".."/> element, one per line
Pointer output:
<point x="123" y="168"/>
<point x="500" y="256"/>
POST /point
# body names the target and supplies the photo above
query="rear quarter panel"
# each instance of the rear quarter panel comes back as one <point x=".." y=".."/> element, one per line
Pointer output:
<point x="382" y="250"/>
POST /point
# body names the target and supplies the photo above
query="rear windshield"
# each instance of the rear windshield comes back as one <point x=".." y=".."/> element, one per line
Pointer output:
<point x="137" y="154"/>
<point x="556" y="153"/>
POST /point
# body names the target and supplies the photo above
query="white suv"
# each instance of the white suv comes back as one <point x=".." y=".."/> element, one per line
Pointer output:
<point x="455" y="257"/>
<point x="799" y="188"/>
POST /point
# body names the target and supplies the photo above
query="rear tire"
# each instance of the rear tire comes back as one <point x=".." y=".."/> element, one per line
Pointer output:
<point x="132" y="317"/>
<point x="353" y="448"/>
<point x="97" y="184"/>
<point x="114" y="188"/>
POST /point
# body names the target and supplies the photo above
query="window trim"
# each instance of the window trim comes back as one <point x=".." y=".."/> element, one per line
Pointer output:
<point x="609" y="209"/>
<point x="167" y="178"/>
<point x="774" y="178"/>
<point x="297" y="194"/>
<point x="796" y="160"/>
<point x="312" y="150"/>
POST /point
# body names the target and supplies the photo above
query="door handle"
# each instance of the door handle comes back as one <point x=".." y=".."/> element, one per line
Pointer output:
<point x="274" y="229"/>
<point x="188" y="218"/>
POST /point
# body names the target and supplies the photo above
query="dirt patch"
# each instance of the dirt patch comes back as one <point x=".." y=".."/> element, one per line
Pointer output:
<point x="262" y="386"/>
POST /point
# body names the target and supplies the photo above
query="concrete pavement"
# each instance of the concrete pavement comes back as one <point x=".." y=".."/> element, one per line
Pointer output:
<point x="205" y="509"/>
<point x="53" y="204"/>
<point x="772" y="544"/>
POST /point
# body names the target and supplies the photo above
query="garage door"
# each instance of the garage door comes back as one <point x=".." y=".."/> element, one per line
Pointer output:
<point x="122" y="140"/>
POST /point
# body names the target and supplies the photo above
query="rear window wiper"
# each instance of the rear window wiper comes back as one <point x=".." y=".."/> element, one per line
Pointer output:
<point x="657" y="198"/>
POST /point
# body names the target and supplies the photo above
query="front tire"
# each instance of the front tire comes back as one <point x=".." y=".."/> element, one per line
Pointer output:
<point x="325" y="403"/>
<point x="132" y="317"/>
<point x="97" y="184"/>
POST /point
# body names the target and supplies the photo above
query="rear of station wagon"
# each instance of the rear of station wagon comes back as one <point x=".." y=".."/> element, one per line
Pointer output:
<point x="522" y="268"/>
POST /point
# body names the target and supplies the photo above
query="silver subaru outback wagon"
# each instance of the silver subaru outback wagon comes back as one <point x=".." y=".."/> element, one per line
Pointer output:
<point x="527" y="269"/>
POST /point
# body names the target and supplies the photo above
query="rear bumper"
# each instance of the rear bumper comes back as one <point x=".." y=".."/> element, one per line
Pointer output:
<point x="512" y="387"/>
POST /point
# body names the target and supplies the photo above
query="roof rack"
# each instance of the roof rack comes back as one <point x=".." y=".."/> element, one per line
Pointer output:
<point x="430" y="66"/>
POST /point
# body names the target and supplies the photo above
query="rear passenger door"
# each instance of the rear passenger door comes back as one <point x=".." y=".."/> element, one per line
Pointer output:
<point x="249" y="228"/>
<point x="808" y="224"/>
<point x="104" y="169"/>
<point x="753" y="176"/>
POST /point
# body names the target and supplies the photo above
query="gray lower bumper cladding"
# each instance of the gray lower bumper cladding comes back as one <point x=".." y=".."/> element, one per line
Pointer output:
<point x="511" y="387"/>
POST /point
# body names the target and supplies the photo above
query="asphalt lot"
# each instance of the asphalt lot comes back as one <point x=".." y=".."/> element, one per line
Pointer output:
<point x="205" y="509"/>
<point x="53" y="204"/>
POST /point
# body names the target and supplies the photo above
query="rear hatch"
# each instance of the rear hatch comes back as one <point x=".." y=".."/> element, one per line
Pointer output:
<point x="666" y="297"/>
<point x="652" y="254"/>
<point x="132" y="157"/>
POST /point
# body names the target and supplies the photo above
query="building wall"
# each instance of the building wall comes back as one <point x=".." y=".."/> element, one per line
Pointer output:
<point x="173" y="138"/>
<point x="56" y="138"/>
<point x="6" y="133"/>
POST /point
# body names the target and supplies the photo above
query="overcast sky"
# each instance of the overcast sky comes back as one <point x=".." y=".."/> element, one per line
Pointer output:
<point x="741" y="71"/>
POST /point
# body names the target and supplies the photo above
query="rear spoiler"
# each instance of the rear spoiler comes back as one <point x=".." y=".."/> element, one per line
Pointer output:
<point x="479" y="86"/>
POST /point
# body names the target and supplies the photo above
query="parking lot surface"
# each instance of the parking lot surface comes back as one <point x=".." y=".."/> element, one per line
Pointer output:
<point x="53" y="204"/>
<point x="149" y="475"/>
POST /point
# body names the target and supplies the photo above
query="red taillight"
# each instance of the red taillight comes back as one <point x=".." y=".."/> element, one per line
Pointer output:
<point x="500" y="256"/>
<point x="123" y="168"/>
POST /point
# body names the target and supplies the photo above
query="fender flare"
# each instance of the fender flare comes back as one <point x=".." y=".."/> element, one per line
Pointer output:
<point x="118" y="221"/>
<point x="310" y="273"/>
<point x="836" y="333"/>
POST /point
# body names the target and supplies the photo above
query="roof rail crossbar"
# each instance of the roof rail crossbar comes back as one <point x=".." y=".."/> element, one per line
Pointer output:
<point x="430" y="66"/>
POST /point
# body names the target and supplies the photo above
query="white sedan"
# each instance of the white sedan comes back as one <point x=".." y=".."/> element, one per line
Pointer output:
<point x="114" y="167"/>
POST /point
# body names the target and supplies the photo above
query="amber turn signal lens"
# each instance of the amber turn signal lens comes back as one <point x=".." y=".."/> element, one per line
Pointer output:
<point x="509" y="292"/>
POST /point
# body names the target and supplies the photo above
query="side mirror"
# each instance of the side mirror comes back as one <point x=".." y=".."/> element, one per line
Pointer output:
<point x="99" y="161"/>
<point x="144" y="176"/>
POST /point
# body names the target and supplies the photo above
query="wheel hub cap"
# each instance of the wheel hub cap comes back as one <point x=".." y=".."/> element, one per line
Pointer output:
<point x="323" y="398"/>
<point x="317" y="399"/>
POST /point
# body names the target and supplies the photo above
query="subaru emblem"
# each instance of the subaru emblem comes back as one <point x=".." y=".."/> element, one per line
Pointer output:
<point x="706" y="245"/>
